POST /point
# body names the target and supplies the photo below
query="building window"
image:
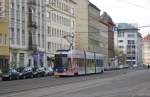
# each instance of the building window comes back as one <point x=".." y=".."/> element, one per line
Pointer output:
<point x="21" y="57"/>
<point x="12" y="5"/>
<point x="43" y="41"/>
<point x="131" y="46"/>
<point x="18" y="36"/>
<point x="23" y="37"/>
<point x="49" y="31"/>
<point x="39" y="40"/>
<point x="130" y="58"/>
<point x="131" y="42"/>
<point x="121" y="47"/>
<point x="131" y="35"/>
<point x="14" y="58"/>
<point x="120" y="41"/>
<point x="12" y="36"/>
<point x="120" y="34"/>
<point x="5" y="39"/>
<point x="48" y="46"/>
<point x="0" y="39"/>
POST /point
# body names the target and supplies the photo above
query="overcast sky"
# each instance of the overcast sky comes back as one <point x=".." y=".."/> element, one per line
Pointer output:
<point x="127" y="11"/>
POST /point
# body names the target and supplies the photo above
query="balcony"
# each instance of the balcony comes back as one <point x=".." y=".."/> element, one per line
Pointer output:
<point x="32" y="42"/>
<point x="32" y="25"/>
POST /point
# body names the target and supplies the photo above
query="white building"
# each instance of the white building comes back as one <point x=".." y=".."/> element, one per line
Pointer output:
<point x="129" y="40"/>
<point x="60" y="25"/>
<point x="21" y="53"/>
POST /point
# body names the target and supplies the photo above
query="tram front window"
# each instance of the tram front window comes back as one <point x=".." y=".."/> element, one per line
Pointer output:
<point x="61" y="62"/>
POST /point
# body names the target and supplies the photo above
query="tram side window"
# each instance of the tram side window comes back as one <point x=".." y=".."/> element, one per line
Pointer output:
<point x="82" y="63"/>
<point x="69" y="62"/>
<point x="99" y="62"/>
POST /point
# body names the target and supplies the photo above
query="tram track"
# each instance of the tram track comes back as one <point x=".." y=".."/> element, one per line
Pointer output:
<point x="54" y="82"/>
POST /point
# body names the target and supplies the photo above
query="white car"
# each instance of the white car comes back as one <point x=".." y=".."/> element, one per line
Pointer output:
<point x="135" y="65"/>
<point x="121" y="66"/>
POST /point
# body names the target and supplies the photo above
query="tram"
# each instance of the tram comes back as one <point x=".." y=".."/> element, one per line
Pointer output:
<point x="75" y="62"/>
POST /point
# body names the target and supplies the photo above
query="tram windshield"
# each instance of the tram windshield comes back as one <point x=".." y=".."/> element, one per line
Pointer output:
<point x="61" y="61"/>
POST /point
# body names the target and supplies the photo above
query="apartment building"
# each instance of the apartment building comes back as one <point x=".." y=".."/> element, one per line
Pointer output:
<point x="61" y="25"/>
<point x="111" y="52"/>
<point x="128" y="40"/>
<point x="27" y="32"/>
<point x="4" y="35"/>
<point x="92" y="31"/>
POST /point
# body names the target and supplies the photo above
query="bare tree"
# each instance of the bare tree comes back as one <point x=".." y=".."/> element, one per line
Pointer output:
<point x="121" y="56"/>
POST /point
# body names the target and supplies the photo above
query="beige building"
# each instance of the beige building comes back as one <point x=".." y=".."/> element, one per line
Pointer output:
<point x="92" y="31"/>
<point x="60" y="26"/>
<point x="146" y="50"/>
<point x="82" y="24"/>
<point x="111" y="51"/>
<point x="4" y="35"/>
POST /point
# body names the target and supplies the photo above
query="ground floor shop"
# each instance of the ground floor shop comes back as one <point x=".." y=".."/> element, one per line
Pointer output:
<point x="20" y="58"/>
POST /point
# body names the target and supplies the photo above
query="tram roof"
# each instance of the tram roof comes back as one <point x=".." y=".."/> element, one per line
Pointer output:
<point x="81" y="54"/>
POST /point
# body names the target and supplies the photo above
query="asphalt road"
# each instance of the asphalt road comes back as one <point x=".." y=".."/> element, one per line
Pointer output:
<point x="122" y="83"/>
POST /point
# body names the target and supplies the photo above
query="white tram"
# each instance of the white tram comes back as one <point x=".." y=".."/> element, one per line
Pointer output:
<point x="77" y="62"/>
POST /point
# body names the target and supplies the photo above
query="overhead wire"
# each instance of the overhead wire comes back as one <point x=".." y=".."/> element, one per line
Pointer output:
<point x="133" y="4"/>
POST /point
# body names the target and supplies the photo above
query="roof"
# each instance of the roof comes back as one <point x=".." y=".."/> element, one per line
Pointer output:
<point x="73" y="1"/>
<point x="127" y="26"/>
<point x="107" y="17"/>
<point x="94" y="6"/>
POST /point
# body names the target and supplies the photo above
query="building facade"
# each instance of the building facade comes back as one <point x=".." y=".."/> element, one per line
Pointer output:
<point x="27" y="32"/>
<point x="60" y="26"/>
<point x="97" y="33"/>
<point x="92" y="31"/>
<point x="146" y="50"/>
<point x="111" y="52"/>
<point x="128" y="40"/>
<point x="4" y="35"/>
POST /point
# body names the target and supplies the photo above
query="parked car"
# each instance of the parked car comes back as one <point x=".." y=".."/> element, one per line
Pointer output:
<point x="39" y="72"/>
<point x="27" y="72"/>
<point x="121" y="66"/>
<point x="135" y="65"/>
<point x="126" y="66"/>
<point x="49" y="71"/>
<point x="10" y="75"/>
